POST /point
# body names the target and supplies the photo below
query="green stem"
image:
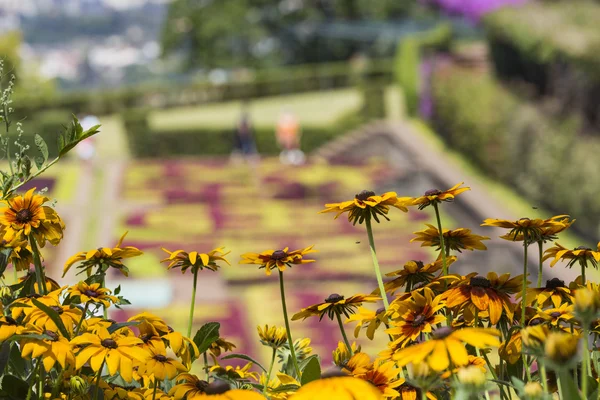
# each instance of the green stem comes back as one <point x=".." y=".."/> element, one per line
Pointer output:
<point x="34" y="376"/>
<point x="376" y="263"/>
<point x="266" y="385"/>
<point x="477" y="352"/>
<point x="193" y="304"/>
<point x="493" y="371"/>
<point x="541" y="269"/>
<point x="543" y="376"/>
<point x="585" y="365"/>
<point x="155" y="387"/>
<point x="206" y="366"/>
<point x="82" y="318"/>
<point x="98" y="380"/>
<point x="287" y="326"/>
<point x="524" y="289"/>
<point x="37" y="262"/>
<point x="442" y="244"/>
<point x="583" y="268"/>
<point x="104" y="308"/>
<point x="339" y="319"/>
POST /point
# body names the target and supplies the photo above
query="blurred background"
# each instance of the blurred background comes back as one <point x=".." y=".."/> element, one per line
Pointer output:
<point x="232" y="122"/>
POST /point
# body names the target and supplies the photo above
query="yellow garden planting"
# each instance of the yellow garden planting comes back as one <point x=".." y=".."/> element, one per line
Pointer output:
<point x="449" y="336"/>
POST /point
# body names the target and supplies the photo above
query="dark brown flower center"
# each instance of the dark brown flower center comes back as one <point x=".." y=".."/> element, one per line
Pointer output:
<point x="555" y="314"/>
<point x="58" y="309"/>
<point x="217" y="387"/>
<point x="10" y="321"/>
<point x="418" y="321"/>
<point x="480" y="281"/>
<point x="364" y="195"/>
<point x="334" y="298"/>
<point x="380" y="310"/>
<point x="145" y="337"/>
<point x="160" y="358"/>
<point x="53" y="335"/>
<point x="555" y="283"/>
<point x="278" y="255"/>
<point x="582" y="248"/>
<point x="442" y="332"/>
<point x="109" y="343"/>
<point x="420" y="264"/>
<point x="201" y="385"/>
<point x="24" y="216"/>
<point x="91" y="293"/>
<point x="535" y="321"/>
<point x="433" y="192"/>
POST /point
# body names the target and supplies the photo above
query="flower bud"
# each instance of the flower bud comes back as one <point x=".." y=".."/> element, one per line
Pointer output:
<point x="587" y="304"/>
<point x="78" y="385"/>
<point x="5" y="292"/>
<point x="421" y="370"/>
<point x="534" y="337"/>
<point x="533" y="390"/>
<point x="561" y="348"/>
<point x="471" y="376"/>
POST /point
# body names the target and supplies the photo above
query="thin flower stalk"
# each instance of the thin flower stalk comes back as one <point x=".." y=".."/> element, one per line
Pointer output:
<point x="376" y="263"/>
<point x="192" y="304"/>
<point x="266" y="385"/>
<point x="287" y="326"/>
<point x="39" y="269"/>
<point x="339" y="319"/>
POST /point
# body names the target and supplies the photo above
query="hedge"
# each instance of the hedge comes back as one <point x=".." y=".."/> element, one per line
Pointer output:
<point x="147" y="143"/>
<point x="512" y="141"/>
<point x="555" y="47"/>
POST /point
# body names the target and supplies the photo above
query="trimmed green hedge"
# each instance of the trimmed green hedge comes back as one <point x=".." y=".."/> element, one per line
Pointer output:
<point x="147" y="143"/>
<point x="543" y="157"/>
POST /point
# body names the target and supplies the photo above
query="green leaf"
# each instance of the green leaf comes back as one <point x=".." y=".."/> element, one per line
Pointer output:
<point x="311" y="371"/>
<point x="115" y="327"/>
<point x="207" y="335"/>
<point x="43" y="148"/>
<point x="568" y="388"/>
<point x="284" y="388"/>
<point x="4" y="254"/>
<point x="16" y="361"/>
<point x="72" y="135"/>
<point x="243" y="357"/>
<point x="26" y="166"/>
<point x="4" y="356"/>
<point x="53" y="316"/>
<point x="117" y="290"/>
<point x="302" y="364"/>
<point x="14" y="387"/>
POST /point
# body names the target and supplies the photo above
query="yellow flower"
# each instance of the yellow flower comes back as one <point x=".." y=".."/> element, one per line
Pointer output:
<point x="91" y="293"/>
<point x="194" y="260"/>
<point x="534" y="337"/>
<point x="161" y="366"/>
<point x="409" y="392"/>
<point x="233" y="373"/>
<point x="150" y="395"/>
<point x="54" y="349"/>
<point x="70" y="316"/>
<point x="51" y="284"/>
<point x="118" y="351"/>
<point x="436" y="196"/>
<point x="9" y="327"/>
<point x="581" y="255"/>
<point x="92" y="324"/>
<point x="220" y="345"/>
<point x="369" y="319"/>
<point x="20" y="255"/>
<point x="149" y="335"/>
<point x="474" y="361"/>
<point x="159" y="326"/>
<point x="554" y="316"/>
<point x="414" y="273"/>
<point x="418" y="315"/>
<point x="554" y="293"/>
<point x="274" y="386"/>
<point x="533" y="390"/>
<point x="338" y="388"/>
<point x="103" y="258"/>
<point x="554" y="226"/>
<point x="454" y="239"/>
<point x="367" y="204"/>
<point x="183" y="346"/>
<point x="272" y="336"/>
<point x="524" y="228"/>
<point x="27" y="215"/>
<point x="472" y="376"/>
<point x="445" y="345"/>
<point x="188" y="387"/>
<point x="385" y="378"/>
<point x="334" y="305"/>
<point x="358" y="364"/>
<point x="561" y="348"/>
<point x="587" y="302"/>
<point x="279" y="259"/>
<point x="489" y="294"/>
<point x="341" y="355"/>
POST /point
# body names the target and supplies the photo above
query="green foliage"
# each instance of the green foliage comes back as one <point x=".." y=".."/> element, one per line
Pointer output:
<point x="512" y="141"/>
<point x="311" y="370"/>
<point x="244" y="357"/>
<point x="206" y="335"/>
<point x="145" y="142"/>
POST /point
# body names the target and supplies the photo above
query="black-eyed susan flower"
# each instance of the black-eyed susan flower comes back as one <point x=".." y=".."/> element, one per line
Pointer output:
<point x="279" y="259"/>
<point x="358" y="364"/>
<point x="188" y="387"/>
<point x="20" y="255"/>
<point x="418" y="315"/>
<point x="70" y="316"/>
<point x="339" y="388"/>
<point x="582" y="255"/>
<point x="234" y="373"/>
<point x="548" y="233"/>
<point x="410" y="392"/>
<point x="51" y="284"/>
<point x="103" y="258"/>
<point x="511" y="349"/>
<point x="272" y="336"/>
<point x="9" y="327"/>
<point x="557" y="315"/>
<point x="220" y="390"/>
<point x="335" y="304"/>
<point x="152" y="341"/>
<point x="92" y="324"/>
<point x="341" y="355"/>
<point x="182" y="346"/>
<point x="534" y="337"/>
<point x="219" y="346"/>
<point x="28" y="215"/>
<point x="436" y="196"/>
<point x="371" y="320"/>
<point x="195" y="260"/>
<point x="157" y="324"/>
<point x="367" y="204"/>
<point x="491" y="294"/>
<point x="447" y="345"/>
<point x="83" y="293"/>
<point x="587" y="302"/>
<point x="385" y="378"/>
<point x="275" y="387"/>
<point x="54" y="348"/>
<point x="554" y="293"/>
<point x="117" y="351"/>
<point x="161" y="366"/>
<point x="414" y="273"/>
<point x="454" y="239"/>
<point x="530" y="230"/>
